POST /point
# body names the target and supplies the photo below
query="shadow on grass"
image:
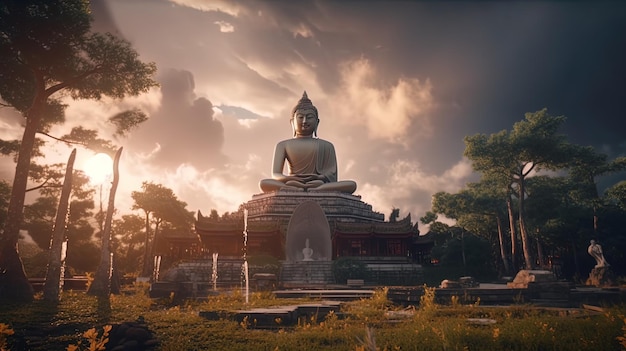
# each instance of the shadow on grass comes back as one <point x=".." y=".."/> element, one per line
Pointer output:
<point x="103" y="312"/>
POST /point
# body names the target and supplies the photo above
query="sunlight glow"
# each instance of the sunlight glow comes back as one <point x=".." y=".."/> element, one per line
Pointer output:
<point x="98" y="168"/>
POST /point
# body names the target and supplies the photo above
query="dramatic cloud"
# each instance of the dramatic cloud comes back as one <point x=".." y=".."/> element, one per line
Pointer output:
<point x="398" y="85"/>
<point x="225" y="6"/>
<point x="389" y="111"/>
<point x="183" y="130"/>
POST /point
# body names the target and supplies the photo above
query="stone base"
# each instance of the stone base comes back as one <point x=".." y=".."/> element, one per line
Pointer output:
<point x="307" y="273"/>
<point x="526" y="276"/>
<point x="601" y="277"/>
<point x="337" y="206"/>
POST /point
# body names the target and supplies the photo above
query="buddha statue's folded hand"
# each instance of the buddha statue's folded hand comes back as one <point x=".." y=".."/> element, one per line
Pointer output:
<point x="306" y="178"/>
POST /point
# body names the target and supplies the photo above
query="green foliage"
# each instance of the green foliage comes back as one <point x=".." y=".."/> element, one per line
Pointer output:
<point x="345" y="268"/>
<point x="427" y="300"/>
<point x="162" y="203"/>
<point x="84" y="257"/>
<point x="127" y="120"/>
<point x="39" y="218"/>
<point x="5" y="194"/>
<point x="128" y="236"/>
<point x="263" y="264"/>
<point x="9" y="147"/>
<point x="371" y="310"/>
<point x="617" y="195"/>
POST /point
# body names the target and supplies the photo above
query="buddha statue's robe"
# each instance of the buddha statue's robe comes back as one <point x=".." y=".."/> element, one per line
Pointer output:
<point x="308" y="156"/>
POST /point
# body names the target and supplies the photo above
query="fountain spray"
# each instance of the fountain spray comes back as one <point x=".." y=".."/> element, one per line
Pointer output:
<point x="245" y="258"/>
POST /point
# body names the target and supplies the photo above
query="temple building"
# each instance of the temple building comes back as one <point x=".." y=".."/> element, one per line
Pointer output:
<point x="355" y="229"/>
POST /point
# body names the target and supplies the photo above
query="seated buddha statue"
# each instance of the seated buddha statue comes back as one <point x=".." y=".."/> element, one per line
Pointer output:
<point x="311" y="161"/>
<point x="307" y="252"/>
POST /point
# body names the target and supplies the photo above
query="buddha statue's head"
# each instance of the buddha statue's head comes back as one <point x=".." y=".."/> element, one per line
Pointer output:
<point x="304" y="118"/>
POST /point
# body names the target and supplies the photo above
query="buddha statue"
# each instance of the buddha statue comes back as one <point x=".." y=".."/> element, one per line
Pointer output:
<point x="311" y="162"/>
<point x="307" y="252"/>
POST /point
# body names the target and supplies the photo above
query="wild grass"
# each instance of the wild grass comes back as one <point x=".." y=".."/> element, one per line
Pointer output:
<point x="366" y="324"/>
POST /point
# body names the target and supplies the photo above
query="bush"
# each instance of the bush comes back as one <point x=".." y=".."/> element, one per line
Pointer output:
<point x="345" y="268"/>
<point x="263" y="264"/>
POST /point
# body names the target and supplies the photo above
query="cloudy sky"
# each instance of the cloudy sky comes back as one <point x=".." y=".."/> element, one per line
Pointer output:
<point x="397" y="85"/>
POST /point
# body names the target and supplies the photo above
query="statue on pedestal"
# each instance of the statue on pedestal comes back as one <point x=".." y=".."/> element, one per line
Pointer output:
<point x="595" y="250"/>
<point x="601" y="275"/>
<point x="312" y="162"/>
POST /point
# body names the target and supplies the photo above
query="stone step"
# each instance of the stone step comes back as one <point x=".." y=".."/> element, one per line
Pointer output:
<point x="310" y="272"/>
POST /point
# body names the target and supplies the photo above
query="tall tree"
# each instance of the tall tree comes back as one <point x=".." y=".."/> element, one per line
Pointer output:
<point x="46" y="48"/>
<point x="39" y="218"/>
<point x="127" y="234"/>
<point x="532" y="145"/>
<point x="160" y="205"/>
<point x="480" y="209"/>
<point x="586" y="166"/>
<point x="101" y="285"/>
<point x="54" y="275"/>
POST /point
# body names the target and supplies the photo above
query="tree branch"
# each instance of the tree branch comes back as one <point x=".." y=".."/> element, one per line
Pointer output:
<point x="62" y="140"/>
<point x="53" y="89"/>
<point x="43" y="185"/>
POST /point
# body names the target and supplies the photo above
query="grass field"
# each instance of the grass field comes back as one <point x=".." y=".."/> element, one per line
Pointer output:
<point x="367" y="324"/>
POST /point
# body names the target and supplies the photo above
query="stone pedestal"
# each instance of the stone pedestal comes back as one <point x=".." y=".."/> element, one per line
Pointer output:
<point x="338" y="207"/>
<point x="601" y="277"/>
<point x="526" y="276"/>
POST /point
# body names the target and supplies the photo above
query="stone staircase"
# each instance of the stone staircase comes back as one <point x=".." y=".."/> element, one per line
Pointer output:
<point x="306" y="273"/>
<point x="229" y="270"/>
<point x="393" y="271"/>
<point x="193" y="278"/>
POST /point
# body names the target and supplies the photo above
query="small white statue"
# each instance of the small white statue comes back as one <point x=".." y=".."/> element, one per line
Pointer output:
<point x="307" y="251"/>
<point x="595" y="250"/>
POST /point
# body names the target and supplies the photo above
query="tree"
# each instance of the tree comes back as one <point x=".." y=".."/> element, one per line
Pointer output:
<point x="101" y="285"/>
<point x="617" y="194"/>
<point x="39" y="218"/>
<point x="54" y="275"/>
<point x="127" y="234"/>
<point x="46" y="48"/>
<point x="478" y="209"/>
<point x="160" y="205"/>
<point x="586" y="166"/>
<point x="457" y="248"/>
<point x="531" y="146"/>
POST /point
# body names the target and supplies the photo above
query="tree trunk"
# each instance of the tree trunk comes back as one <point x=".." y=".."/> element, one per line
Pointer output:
<point x="56" y="264"/>
<point x="522" y="228"/>
<point x="505" y="261"/>
<point x="509" y="207"/>
<point x="463" y="251"/>
<point x="145" y="269"/>
<point x="151" y="267"/>
<point x="101" y="285"/>
<point x="540" y="256"/>
<point x="14" y="285"/>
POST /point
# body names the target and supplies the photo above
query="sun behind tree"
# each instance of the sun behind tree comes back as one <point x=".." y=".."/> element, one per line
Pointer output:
<point x="98" y="168"/>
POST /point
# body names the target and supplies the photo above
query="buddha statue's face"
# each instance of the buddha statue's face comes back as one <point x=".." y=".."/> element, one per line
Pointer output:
<point x="304" y="122"/>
